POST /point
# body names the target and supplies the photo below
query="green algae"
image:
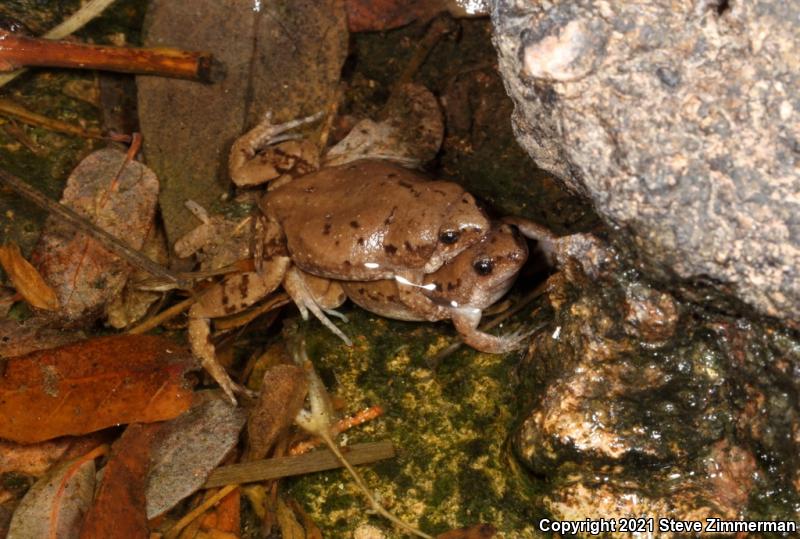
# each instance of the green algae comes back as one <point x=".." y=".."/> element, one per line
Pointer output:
<point x="450" y="426"/>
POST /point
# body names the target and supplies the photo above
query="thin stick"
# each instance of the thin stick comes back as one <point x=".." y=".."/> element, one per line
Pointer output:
<point x="10" y="108"/>
<point x="105" y="239"/>
<point x="74" y="22"/>
<point x="316" y="461"/>
<point x="346" y="423"/>
<point x="377" y="507"/>
<point x="187" y="519"/>
<point x="155" y="321"/>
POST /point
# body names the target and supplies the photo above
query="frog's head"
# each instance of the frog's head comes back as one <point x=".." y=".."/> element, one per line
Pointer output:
<point x="462" y="226"/>
<point x="482" y="273"/>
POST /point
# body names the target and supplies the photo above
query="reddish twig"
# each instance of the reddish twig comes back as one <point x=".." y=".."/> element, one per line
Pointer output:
<point x="347" y="423"/>
<point x="18" y="51"/>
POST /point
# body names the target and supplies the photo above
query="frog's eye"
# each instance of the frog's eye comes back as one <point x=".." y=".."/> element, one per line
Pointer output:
<point x="448" y="237"/>
<point x="484" y="266"/>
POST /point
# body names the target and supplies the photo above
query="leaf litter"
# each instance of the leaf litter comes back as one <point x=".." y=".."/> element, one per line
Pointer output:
<point x="108" y="381"/>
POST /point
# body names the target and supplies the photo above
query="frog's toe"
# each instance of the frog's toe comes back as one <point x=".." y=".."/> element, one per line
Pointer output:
<point x="337" y="314"/>
<point x="295" y="286"/>
<point x="466" y="322"/>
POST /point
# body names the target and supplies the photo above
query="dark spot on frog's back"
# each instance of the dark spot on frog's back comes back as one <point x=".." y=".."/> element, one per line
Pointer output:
<point x="390" y="249"/>
<point x="326" y="229"/>
<point x="403" y="184"/>
<point x="354" y="224"/>
<point x="453" y="285"/>
<point x="391" y="175"/>
<point x="361" y="241"/>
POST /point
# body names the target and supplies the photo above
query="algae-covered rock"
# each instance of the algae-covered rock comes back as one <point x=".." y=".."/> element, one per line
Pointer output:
<point x="643" y="406"/>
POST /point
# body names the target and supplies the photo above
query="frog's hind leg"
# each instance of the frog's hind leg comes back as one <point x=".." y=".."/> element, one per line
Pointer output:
<point x="296" y="286"/>
<point x="466" y="322"/>
<point x="203" y="348"/>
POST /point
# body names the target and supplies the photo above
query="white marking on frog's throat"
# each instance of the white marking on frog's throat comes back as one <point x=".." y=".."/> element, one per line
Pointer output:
<point x="403" y="280"/>
<point x="256" y="6"/>
<point x="371" y="265"/>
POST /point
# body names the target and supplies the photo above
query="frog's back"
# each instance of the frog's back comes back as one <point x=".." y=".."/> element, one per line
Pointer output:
<point x="366" y="220"/>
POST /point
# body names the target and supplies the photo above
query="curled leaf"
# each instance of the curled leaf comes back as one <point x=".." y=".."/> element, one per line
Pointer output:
<point x="30" y="285"/>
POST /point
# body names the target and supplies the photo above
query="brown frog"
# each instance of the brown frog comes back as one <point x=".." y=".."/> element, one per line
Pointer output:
<point x="459" y="291"/>
<point x="368" y="221"/>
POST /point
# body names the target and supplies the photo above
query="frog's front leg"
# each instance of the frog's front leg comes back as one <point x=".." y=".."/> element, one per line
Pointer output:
<point x="411" y="292"/>
<point x="466" y="321"/>
<point x="248" y="164"/>
<point x="318" y="295"/>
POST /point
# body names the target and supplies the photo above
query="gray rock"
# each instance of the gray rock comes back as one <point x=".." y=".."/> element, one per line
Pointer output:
<point x="680" y="120"/>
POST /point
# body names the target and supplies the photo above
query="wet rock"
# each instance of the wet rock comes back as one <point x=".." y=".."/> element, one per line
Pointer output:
<point x="680" y="120"/>
<point x="640" y="404"/>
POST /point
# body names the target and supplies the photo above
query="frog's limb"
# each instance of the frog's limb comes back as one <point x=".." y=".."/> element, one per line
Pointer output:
<point x="411" y="292"/>
<point x="466" y="321"/>
<point x="203" y="348"/>
<point x="295" y="285"/>
<point x="241" y="164"/>
<point x="232" y="295"/>
<point x="547" y="242"/>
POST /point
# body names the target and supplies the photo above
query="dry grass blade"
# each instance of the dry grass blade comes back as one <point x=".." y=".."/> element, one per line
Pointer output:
<point x="26" y="279"/>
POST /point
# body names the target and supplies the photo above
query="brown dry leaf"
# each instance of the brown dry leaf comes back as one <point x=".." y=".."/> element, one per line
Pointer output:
<point x="26" y="279"/>
<point x="283" y="392"/>
<point x="225" y="519"/>
<point x="132" y="304"/>
<point x="372" y="15"/>
<point x="189" y="447"/>
<point x="37" y="459"/>
<point x="119" y="506"/>
<point x="121" y="201"/>
<point x="92" y="385"/>
<point x="287" y="57"/>
<point x="18" y="338"/>
<point x="58" y="500"/>
<point x="290" y="528"/>
<point x="311" y="528"/>
<point x="476" y="531"/>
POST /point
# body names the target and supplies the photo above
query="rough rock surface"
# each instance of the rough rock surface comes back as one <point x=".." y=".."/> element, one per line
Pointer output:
<point x="680" y="120"/>
<point x="642" y="405"/>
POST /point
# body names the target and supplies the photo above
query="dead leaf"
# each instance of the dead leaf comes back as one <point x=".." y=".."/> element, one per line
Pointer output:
<point x="55" y="505"/>
<point x="132" y="304"/>
<point x="26" y="279"/>
<point x="283" y="392"/>
<point x="287" y="57"/>
<point x="290" y="528"/>
<point x="92" y="385"/>
<point x="311" y="528"/>
<point x="477" y="531"/>
<point x="121" y="201"/>
<point x="37" y="459"/>
<point x="188" y="448"/>
<point x="225" y="519"/>
<point x="18" y="338"/>
<point x="372" y="15"/>
<point x="119" y="506"/>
